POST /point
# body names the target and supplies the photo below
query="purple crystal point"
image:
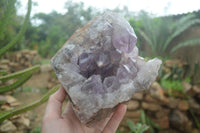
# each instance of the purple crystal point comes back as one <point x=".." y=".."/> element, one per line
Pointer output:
<point x="111" y="84"/>
<point x="102" y="59"/>
<point x="86" y="62"/>
<point x="93" y="85"/>
<point x="125" y="41"/>
<point x="132" y="66"/>
<point x="123" y="74"/>
<point x="115" y="56"/>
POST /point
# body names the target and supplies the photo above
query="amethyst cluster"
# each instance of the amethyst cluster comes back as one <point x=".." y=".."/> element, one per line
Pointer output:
<point x="99" y="67"/>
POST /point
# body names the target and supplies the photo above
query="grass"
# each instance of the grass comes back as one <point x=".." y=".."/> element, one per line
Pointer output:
<point x="45" y="61"/>
<point x="137" y="128"/>
<point x="172" y="85"/>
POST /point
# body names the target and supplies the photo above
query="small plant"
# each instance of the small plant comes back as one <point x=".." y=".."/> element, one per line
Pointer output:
<point x="172" y="84"/>
<point x="138" y="128"/>
<point x="146" y="120"/>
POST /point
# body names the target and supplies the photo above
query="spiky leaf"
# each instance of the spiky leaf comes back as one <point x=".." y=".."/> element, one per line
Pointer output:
<point x="16" y="84"/>
<point x="179" y="31"/>
<point x="143" y="117"/>
<point x="190" y="42"/>
<point x="8" y="114"/>
<point x="19" y="73"/>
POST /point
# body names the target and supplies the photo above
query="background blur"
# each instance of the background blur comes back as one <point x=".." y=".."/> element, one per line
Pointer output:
<point x="167" y="29"/>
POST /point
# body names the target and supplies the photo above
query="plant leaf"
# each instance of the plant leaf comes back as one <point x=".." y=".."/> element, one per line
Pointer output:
<point x="142" y="128"/>
<point x="8" y="114"/>
<point x="154" y="124"/>
<point x="190" y="42"/>
<point x="131" y="125"/>
<point x="149" y="41"/>
<point x="150" y="126"/>
<point x="179" y="31"/>
<point x="19" y="73"/>
<point x="182" y="21"/>
<point x="143" y="117"/>
<point x="16" y="84"/>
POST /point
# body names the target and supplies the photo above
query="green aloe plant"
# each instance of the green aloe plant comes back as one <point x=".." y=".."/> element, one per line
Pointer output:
<point x="20" y="76"/>
<point x="137" y="128"/>
<point x="160" y="32"/>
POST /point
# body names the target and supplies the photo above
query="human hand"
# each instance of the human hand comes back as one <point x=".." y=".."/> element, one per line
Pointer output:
<point x="56" y="122"/>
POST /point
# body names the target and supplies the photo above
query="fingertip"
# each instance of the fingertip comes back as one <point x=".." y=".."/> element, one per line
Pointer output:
<point x="120" y="111"/>
<point x="122" y="107"/>
<point x="60" y="94"/>
<point x="54" y="105"/>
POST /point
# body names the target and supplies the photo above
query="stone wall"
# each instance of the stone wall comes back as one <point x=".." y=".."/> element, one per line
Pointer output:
<point x="12" y="62"/>
<point x="173" y="114"/>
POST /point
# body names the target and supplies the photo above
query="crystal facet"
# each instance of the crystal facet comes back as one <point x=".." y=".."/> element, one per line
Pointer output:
<point x="99" y="67"/>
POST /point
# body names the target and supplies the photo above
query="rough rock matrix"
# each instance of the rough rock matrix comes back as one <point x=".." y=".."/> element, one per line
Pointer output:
<point x="99" y="67"/>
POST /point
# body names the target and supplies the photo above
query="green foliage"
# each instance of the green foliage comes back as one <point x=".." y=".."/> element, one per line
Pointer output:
<point x="137" y="25"/>
<point x="138" y="128"/>
<point x="55" y="28"/>
<point x="21" y="32"/>
<point x="143" y="117"/>
<point x="8" y="21"/>
<point x="197" y="122"/>
<point x="16" y="84"/>
<point x="151" y="124"/>
<point x="7" y="7"/>
<point x="171" y="85"/>
<point x="160" y="32"/>
<point x="45" y="61"/>
<point x="175" y="74"/>
<point x="22" y="76"/>
<point x="8" y="114"/>
<point x="20" y="73"/>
